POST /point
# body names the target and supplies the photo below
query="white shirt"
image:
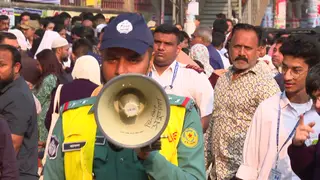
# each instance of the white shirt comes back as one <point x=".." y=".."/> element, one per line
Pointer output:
<point x="225" y="60"/>
<point x="260" y="148"/>
<point x="269" y="59"/>
<point x="188" y="83"/>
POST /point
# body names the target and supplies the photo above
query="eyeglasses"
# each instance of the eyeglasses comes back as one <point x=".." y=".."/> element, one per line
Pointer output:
<point x="295" y="73"/>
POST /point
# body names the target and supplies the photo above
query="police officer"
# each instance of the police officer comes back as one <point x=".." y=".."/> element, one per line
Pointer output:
<point x="77" y="148"/>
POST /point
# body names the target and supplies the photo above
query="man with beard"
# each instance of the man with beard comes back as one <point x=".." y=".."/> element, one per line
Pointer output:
<point x="18" y="107"/>
<point x="60" y="47"/>
<point x="4" y="23"/>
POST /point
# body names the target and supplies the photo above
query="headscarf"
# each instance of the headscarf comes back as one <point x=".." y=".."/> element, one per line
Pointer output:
<point x="200" y="53"/>
<point x="46" y="42"/>
<point x="87" y="67"/>
<point x="22" y="41"/>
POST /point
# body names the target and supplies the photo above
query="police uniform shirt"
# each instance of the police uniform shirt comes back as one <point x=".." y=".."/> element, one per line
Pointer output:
<point x="188" y="83"/>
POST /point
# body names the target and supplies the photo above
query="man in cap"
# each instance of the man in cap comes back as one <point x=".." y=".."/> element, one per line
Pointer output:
<point x="127" y="48"/>
<point x="29" y="29"/>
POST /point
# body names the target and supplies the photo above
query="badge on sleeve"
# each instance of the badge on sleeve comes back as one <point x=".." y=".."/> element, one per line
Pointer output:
<point x="53" y="147"/>
<point x="190" y="138"/>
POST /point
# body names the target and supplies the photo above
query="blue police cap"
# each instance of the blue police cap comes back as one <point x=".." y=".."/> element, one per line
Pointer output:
<point x="129" y="31"/>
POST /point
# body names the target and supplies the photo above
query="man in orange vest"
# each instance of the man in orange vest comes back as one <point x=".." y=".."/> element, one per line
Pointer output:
<point x="78" y="150"/>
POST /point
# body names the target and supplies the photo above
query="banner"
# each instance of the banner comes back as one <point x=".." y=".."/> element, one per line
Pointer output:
<point x="10" y="13"/>
<point x="18" y="11"/>
<point x="44" y="1"/>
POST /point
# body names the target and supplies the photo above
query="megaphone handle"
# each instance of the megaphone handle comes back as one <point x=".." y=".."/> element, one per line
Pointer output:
<point x="155" y="146"/>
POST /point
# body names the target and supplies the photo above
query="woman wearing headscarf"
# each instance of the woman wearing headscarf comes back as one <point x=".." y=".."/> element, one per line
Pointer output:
<point x="86" y="75"/>
<point x="200" y="53"/>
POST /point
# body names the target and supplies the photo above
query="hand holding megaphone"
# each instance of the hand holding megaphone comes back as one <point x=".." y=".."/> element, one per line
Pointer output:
<point x="144" y="152"/>
<point x="302" y="132"/>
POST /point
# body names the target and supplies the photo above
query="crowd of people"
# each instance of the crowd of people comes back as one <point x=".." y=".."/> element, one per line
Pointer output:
<point x="244" y="103"/>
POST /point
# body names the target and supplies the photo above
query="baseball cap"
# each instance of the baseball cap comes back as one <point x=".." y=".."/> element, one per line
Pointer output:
<point x="59" y="42"/>
<point x="128" y="31"/>
<point x="30" y="24"/>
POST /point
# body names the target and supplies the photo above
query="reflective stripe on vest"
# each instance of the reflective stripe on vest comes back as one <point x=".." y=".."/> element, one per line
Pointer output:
<point x="78" y="126"/>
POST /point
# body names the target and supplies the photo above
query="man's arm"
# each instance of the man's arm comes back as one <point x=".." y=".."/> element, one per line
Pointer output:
<point x="255" y="146"/>
<point x="17" y="141"/>
<point x="54" y="167"/>
<point x="8" y="166"/>
<point x="190" y="154"/>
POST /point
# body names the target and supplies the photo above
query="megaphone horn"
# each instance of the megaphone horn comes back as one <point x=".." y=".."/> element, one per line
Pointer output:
<point x="132" y="111"/>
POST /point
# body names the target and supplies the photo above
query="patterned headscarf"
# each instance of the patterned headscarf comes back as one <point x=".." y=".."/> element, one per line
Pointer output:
<point x="200" y="53"/>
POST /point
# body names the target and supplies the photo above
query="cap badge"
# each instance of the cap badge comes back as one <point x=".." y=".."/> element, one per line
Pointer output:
<point x="124" y="27"/>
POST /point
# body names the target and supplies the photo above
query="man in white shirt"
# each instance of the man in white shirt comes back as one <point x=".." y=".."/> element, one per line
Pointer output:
<point x="265" y="151"/>
<point x="175" y="77"/>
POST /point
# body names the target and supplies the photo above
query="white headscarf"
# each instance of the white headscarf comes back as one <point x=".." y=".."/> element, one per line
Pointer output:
<point x="200" y="53"/>
<point x="87" y="67"/>
<point x="22" y="41"/>
<point x="46" y="42"/>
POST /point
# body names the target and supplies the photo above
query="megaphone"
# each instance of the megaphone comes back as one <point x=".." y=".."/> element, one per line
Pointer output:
<point x="132" y="111"/>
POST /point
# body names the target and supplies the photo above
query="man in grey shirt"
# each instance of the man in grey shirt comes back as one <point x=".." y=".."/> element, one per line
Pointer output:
<point x="18" y="107"/>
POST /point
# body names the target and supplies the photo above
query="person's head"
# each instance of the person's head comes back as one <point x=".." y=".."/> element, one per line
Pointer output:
<point x="179" y="26"/>
<point x="29" y="28"/>
<point x="221" y="16"/>
<point x="220" y="25"/>
<point x="313" y="86"/>
<point x="24" y="17"/>
<point x="9" y="39"/>
<point x="202" y="35"/>
<point x="87" y="67"/>
<point x="126" y="46"/>
<point x="65" y="17"/>
<point x="30" y="71"/>
<point x="99" y="19"/>
<point x="60" y="47"/>
<point x="111" y="19"/>
<point x="230" y="25"/>
<point x="277" y="56"/>
<point x="244" y="47"/>
<point x="76" y="21"/>
<point x="200" y="53"/>
<point x="300" y="53"/>
<point x="49" y="63"/>
<point x="197" y="21"/>
<point x="87" y="33"/>
<point x="60" y="28"/>
<point x="263" y="41"/>
<point x="218" y="39"/>
<point x="10" y="64"/>
<point x="166" y="44"/>
<point x="87" y="20"/>
<point x="4" y="23"/>
<point x="184" y="40"/>
<point x="47" y="24"/>
<point x="80" y="48"/>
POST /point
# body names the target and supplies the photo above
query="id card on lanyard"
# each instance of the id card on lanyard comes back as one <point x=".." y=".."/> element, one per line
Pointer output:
<point x="275" y="174"/>
<point x="175" y="72"/>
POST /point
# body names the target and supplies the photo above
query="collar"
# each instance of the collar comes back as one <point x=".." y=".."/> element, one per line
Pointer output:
<point x="171" y="67"/>
<point x="284" y="102"/>
<point x="13" y="83"/>
<point x="258" y="68"/>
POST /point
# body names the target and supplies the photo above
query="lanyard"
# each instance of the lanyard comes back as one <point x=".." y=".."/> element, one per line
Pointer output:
<point x="278" y="131"/>
<point x="175" y="72"/>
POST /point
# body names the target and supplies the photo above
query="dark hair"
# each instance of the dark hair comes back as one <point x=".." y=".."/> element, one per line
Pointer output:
<point x="49" y="63"/>
<point x="263" y="36"/>
<point x="302" y="46"/>
<point x="111" y="19"/>
<point x="81" y="47"/>
<point x="3" y="17"/>
<point x="281" y="40"/>
<point x="221" y="16"/>
<point x="247" y="27"/>
<point x="183" y="36"/>
<point x="313" y="80"/>
<point x="16" y="56"/>
<point x="168" y="29"/>
<point x="87" y="33"/>
<point x="6" y="35"/>
<point x="220" y="25"/>
<point x="25" y="14"/>
<point x="46" y="21"/>
<point x="58" y="27"/>
<point x="75" y="19"/>
<point x="35" y="16"/>
<point x="218" y="39"/>
<point x="88" y="16"/>
<point x="64" y="15"/>
<point x="99" y="16"/>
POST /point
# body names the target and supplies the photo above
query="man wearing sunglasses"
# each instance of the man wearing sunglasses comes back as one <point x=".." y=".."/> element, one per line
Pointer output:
<point x="276" y="119"/>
